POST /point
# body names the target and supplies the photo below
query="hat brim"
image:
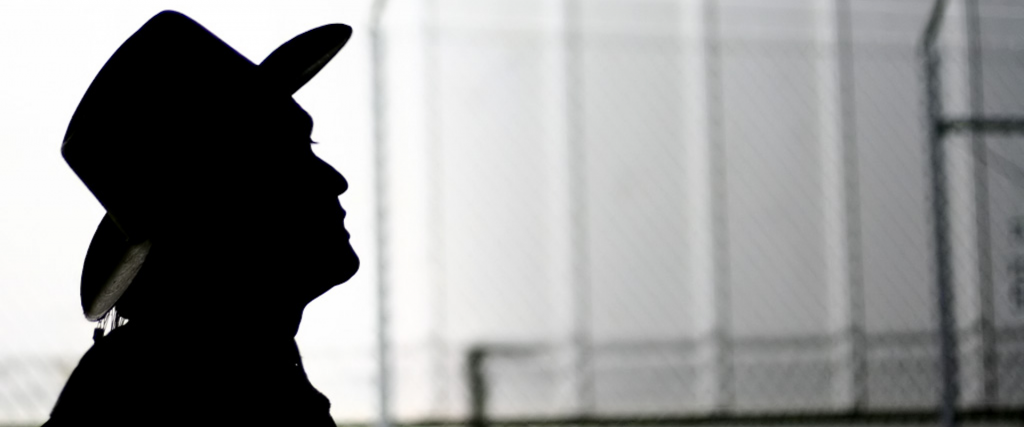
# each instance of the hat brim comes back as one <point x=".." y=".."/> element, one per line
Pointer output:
<point x="295" y="62"/>
<point x="112" y="262"/>
<point x="111" y="265"/>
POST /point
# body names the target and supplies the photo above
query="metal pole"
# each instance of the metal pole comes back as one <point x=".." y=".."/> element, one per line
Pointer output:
<point x="579" y="236"/>
<point x="979" y="151"/>
<point x="943" y="274"/>
<point x="851" y="178"/>
<point x="720" y="331"/>
<point x="380" y="175"/>
<point x="477" y="381"/>
<point x="931" y="29"/>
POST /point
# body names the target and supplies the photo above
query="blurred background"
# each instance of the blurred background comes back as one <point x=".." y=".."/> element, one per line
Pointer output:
<point x="614" y="212"/>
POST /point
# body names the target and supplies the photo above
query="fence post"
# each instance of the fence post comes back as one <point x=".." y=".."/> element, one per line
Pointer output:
<point x="840" y="175"/>
<point x="720" y="337"/>
<point x="477" y="383"/>
<point x="380" y="173"/>
<point x="579" y="235"/>
<point x="930" y="60"/>
<point x="983" y="324"/>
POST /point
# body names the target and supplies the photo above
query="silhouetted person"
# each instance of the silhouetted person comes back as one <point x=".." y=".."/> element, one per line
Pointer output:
<point x="221" y="226"/>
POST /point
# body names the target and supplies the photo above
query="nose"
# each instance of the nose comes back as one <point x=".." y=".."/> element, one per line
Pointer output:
<point x="330" y="178"/>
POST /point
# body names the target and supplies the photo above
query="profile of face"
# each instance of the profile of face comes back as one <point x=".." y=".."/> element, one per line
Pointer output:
<point x="302" y="228"/>
<point x="263" y="215"/>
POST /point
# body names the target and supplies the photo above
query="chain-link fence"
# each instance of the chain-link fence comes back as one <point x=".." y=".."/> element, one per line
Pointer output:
<point x="975" y="124"/>
<point x="697" y="210"/>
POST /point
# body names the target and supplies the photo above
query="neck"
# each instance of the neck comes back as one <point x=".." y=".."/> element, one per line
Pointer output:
<point x="222" y="293"/>
<point x="226" y="330"/>
<point x="248" y="309"/>
<point x="210" y="347"/>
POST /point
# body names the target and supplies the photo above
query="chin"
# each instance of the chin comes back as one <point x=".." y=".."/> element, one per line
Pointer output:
<point x="335" y="268"/>
<point x="346" y="269"/>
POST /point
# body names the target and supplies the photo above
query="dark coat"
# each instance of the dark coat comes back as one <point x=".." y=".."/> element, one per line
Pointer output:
<point x="137" y="377"/>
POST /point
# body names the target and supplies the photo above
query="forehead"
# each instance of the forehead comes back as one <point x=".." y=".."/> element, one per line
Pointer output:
<point x="286" y="115"/>
<point x="302" y="119"/>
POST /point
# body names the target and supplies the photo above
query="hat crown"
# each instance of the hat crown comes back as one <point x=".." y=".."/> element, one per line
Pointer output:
<point x="170" y="79"/>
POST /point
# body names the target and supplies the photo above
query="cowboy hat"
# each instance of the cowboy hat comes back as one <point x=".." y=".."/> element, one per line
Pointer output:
<point x="171" y="71"/>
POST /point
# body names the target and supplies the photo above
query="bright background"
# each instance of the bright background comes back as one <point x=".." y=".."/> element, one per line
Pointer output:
<point x="641" y="209"/>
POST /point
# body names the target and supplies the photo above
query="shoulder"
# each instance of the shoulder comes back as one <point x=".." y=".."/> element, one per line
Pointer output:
<point x="108" y="372"/>
<point x="126" y="378"/>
